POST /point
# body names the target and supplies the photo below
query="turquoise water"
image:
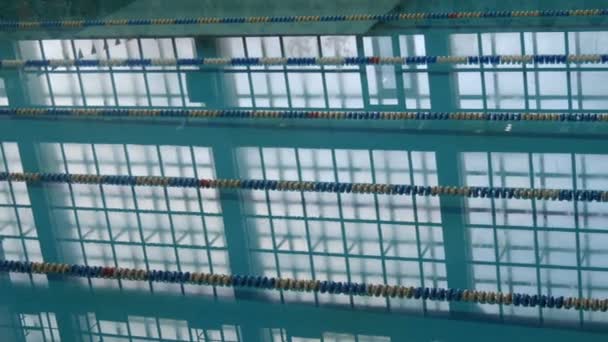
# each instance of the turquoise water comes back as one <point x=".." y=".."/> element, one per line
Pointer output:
<point x="528" y="246"/>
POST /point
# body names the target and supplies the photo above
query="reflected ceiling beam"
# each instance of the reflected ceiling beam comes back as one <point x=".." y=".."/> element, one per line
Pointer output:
<point x="466" y="136"/>
<point x="299" y="318"/>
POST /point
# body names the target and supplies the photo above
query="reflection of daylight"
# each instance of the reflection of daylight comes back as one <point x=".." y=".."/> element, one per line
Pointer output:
<point x="90" y="326"/>
<point x="531" y="246"/>
<point x="550" y="87"/>
<point x="555" y="248"/>
<point x="256" y="86"/>
<point x="346" y="237"/>
<point x="3" y="96"/>
<point x="280" y="335"/>
<point x="39" y="326"/>
<point x="43" y="326"/>
<point x="122" y="86"/>
<point x="491" y="87"/>
<point x="18" y="234"/>
<point x="150" y="228"/>
<point x="327" y="86"/>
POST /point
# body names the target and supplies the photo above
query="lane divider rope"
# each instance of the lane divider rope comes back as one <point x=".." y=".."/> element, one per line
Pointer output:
<point x="411" y="16"/>
<point x="301" y="285"/>
<point x="41" y="112"/>
<point x="332" y="187"/>
<point x="308" y="61"/>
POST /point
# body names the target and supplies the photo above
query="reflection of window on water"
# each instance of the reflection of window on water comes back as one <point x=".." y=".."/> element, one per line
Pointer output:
<point x="256" y="86"/>
<point x="28" y="327"/>
<point x="40" y="327"/>
<point x="18" y="235"/>
<point x="327" y="86"/>
<point x="385" y="86"/>
<point x="534" y="87"/>
<point x="294" y="86"/>
<point x="137" y="227"/>
<point x="3" y="96"/>
<point x="345" y="237"/>
<point x="116" y="86"/>
<point x="488" y="87"/>
<point x="139" y="328"/>
<point x="536" y="246"/>
<point x="282" y="335"/>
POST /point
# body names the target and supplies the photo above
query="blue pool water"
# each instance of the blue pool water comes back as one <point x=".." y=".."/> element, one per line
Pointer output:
<point x="531" y="246"/>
